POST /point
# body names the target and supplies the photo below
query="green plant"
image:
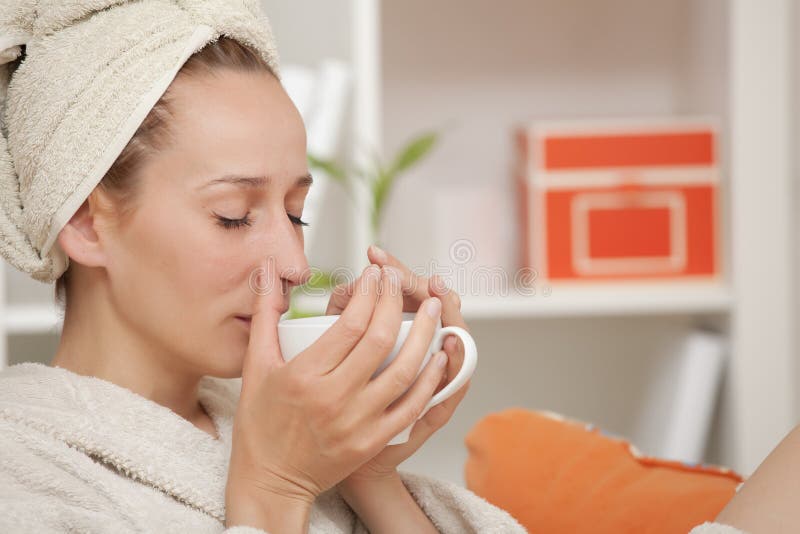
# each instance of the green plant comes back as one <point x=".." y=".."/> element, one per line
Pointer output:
<point x="381" y="176"/>
<point x="295" y="313"/>
<point x="318" y="280"/>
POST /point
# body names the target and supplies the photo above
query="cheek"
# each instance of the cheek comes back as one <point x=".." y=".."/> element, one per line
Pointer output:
<point x="174" y="252"/>
<point x="223" y="265"/>
<point x="211" y="260"/>
<point x="179" y="278"/>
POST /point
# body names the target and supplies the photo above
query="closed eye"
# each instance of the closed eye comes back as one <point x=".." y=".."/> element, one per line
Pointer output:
<point x="297" y="220"/>
<point x="228" y="223"/>
<point x="225" y="222"/>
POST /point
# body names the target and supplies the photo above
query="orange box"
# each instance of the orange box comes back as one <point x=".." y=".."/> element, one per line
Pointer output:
<point x="619" y="200"/>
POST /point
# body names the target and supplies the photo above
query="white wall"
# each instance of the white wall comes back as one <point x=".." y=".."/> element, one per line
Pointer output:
<point x="764" y="367"/>
<point x="495" y="68"/>
<point x="474" y="69"/>
<point x="306" y="32"/>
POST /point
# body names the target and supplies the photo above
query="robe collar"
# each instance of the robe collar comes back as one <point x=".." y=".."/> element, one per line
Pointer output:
<point x="142" y="439"/>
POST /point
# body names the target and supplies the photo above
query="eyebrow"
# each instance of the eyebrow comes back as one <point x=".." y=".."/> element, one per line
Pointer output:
<point x="254" y="181"/>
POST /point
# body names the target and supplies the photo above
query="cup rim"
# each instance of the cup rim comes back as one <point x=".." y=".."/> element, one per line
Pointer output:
<point x="325" y="320"/>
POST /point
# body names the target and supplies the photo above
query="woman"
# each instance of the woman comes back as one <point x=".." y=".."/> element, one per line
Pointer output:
<point x="151" y="164"/>
<point x="766" y="501"/>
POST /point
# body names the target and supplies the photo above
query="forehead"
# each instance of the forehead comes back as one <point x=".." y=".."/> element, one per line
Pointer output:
<point x="236" y="119"/>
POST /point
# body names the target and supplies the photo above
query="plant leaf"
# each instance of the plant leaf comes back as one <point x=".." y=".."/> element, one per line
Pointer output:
<point x="320" y="280"/>
<point x="414" y="151"/>
<point x="329" y="167"/>
<point x="380" y="190"/>
<point x="295" y="313"/>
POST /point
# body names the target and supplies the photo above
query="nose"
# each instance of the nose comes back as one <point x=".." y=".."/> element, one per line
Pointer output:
<point x="282" y="260"/>
<point x="289" y="255"/>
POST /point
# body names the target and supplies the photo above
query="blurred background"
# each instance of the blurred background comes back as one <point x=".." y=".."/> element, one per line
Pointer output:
<point x="609" y="184"/>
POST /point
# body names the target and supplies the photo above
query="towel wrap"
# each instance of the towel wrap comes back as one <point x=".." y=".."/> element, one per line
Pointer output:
<point x="77" y="79"/>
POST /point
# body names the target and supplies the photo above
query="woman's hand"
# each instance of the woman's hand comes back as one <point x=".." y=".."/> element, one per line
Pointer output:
<point x="415" y="289"/>
<point x="304" y="425"/>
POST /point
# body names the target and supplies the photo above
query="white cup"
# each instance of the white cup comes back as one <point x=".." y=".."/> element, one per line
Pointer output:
<point x="296" y="335"/>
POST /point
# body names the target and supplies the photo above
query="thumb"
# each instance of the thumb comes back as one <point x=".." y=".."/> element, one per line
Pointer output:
<point x="263" y="349"/>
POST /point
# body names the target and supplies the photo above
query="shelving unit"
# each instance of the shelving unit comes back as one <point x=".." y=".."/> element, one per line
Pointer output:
<point x="602" y="301"/>
<point x="31" y="319"/>
<point x="577" y="301"/>
<point x="475" y="69"/>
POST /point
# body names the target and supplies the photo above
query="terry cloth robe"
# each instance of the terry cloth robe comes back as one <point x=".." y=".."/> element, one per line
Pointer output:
<point x="82" y="454"/>
<point x="715" y="528"/>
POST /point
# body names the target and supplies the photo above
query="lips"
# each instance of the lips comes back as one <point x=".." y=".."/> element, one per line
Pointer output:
<point x="247" y="318"/>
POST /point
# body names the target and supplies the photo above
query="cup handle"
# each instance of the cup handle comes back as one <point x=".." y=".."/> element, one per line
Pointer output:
<point x="467" y="368"/>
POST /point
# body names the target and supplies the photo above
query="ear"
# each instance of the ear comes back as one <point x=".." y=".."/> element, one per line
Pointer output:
<point x="79" y="238"/>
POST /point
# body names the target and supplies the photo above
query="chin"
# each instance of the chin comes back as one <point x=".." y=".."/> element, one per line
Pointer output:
<point x="229" y="371"/>
<point x="228" y="349"/>
<point x="227" y="362"/>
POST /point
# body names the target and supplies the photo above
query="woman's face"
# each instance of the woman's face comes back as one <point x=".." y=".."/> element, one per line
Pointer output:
<point x="226" y="197"/>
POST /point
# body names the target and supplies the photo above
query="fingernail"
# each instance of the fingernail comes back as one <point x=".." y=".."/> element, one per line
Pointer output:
<point x="441" y="359"/>
<point x="433" y="307"/>
<point x="379" y="253"/>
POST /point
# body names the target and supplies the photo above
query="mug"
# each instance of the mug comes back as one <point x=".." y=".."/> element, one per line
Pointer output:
<point x="296" y="335"/>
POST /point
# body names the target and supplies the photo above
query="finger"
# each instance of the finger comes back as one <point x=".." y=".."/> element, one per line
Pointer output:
<point x="407" y="408"/>
<point x="263" y="349"/>
<point x="451" y="302"/>
<point x="380" y="338"/>
<point x="333" y="346"/>
<point x="454" y="349"/>
<point x="439" y="415"/>
<point x="451" y="316"/>
<point x="422" y="430"/>
<point x="340" y="296"/>
<point x="405" y="368"/>
<point x="436" y="418"/>
<point x="455" y="359"/>
<point x="451" y="344"/>
<point x="455" y="355"/>
<point x="453" y="401"/>
<point x="413" y="285"/>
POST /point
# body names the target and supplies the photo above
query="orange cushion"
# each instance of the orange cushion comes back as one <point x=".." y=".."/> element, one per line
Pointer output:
<point x="560" y="476"/>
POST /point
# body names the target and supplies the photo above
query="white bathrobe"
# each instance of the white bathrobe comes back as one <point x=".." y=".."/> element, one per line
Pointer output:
<point x="81" y="454"/>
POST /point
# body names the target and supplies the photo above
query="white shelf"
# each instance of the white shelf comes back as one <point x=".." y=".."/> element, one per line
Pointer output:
<point x="31" y="319"/>
<point x="607" y="300"/>
<point x="583" y="301"/>
<point x="559" y="301"/>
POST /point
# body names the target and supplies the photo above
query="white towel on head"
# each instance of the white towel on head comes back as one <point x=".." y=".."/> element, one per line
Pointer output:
<point x="91" y="72"/>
